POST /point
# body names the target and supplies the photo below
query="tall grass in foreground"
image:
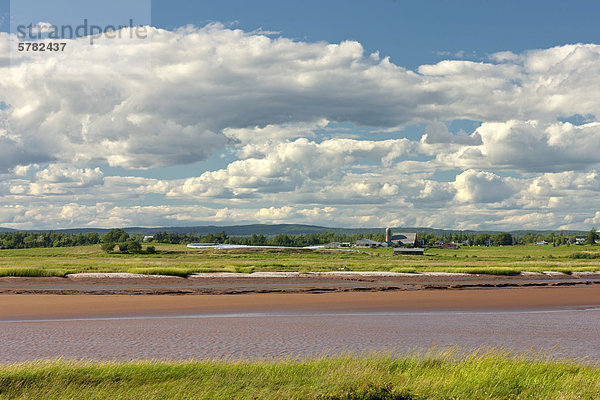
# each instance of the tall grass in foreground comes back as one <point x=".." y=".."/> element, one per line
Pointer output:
<point x="478" y="376"/>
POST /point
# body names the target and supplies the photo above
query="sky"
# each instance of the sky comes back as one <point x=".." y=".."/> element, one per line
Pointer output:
<point x="443" y="114"/>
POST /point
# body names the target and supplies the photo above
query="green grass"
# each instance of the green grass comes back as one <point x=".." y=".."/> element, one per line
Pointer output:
<point x="177" y="260"/>
<point x="486" y="375"/>
<point x="31" y="272"/>
<point x="587" y="254"/>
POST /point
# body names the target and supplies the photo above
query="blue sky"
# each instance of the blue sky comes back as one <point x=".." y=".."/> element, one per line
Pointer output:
<point x="410" y="32"/>
<point x="473" y="115"/>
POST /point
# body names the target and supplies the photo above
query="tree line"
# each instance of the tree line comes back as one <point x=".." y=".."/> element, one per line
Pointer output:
<point x="281" y="239"/>
<point x="507" y="239"/>
<point x="131" y="243"/>
<point x="24" y="240"/>
<point x="466" y="239"/>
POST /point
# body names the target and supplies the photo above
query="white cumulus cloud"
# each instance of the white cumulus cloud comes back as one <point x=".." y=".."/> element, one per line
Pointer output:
<point x="266" y="101"/>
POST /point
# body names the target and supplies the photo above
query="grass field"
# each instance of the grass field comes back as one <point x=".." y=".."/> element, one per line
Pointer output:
<point x="177" y="260"/>
<point x="480" y="376"/>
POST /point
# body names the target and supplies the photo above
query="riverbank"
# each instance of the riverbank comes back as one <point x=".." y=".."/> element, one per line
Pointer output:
<point x="285" y="282"/>
<point x="434" y="376"/>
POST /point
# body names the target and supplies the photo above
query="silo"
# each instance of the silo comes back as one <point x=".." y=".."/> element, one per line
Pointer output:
<point x="388" y="234"/>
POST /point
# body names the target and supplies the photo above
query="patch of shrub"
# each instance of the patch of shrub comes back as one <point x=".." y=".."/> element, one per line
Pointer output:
<point x="370" y="392"/>
<point x="131" y="247"/>
<point x="585" y="255"/>
<point x="108" y="246"/>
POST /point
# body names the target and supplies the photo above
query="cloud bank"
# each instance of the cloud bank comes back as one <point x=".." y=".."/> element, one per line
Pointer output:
<point x="312" y="133"/>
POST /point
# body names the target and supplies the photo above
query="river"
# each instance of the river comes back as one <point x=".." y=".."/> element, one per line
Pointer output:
<point x="565" y="333"/>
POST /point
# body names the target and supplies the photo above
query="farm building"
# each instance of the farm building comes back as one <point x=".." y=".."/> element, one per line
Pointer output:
<point x="400" y="239"/>
<point x="336" y="245"/>
<point x="409" y="251"/>
<point x="406" y="239"/>
<point x="368" y="243"/>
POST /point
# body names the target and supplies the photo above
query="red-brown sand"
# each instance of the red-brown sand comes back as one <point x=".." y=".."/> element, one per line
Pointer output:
<point x="42" y="306"/>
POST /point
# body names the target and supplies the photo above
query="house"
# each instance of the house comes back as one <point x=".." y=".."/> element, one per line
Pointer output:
<point x="449" y="246"/>
<point x="542" y="243"/>
<point x="580" y="240"/>
<point x="440" y="244"/>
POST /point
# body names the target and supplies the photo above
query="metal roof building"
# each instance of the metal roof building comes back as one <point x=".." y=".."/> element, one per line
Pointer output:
<point x="404" y="238"/>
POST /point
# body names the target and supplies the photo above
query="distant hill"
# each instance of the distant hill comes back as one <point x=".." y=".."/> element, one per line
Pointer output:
<point x="290" y="229"/>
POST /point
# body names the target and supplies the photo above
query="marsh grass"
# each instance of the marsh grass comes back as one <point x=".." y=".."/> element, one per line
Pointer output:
<point x="481" y="375"/>
<point x="178" y="261"/>
<point x="32" y="272"/>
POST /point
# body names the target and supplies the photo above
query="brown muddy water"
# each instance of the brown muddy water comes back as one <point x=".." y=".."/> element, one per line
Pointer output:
<point x="565" y="333"/>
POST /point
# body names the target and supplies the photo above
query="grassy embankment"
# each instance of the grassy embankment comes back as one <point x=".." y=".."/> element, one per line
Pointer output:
<point x="478" y="376"/>
<point x="176" y="260"/>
